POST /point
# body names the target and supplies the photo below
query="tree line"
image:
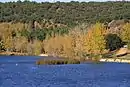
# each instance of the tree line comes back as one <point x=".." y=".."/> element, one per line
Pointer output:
<point x="81" y="41"/>
<point x="70" y="13"/>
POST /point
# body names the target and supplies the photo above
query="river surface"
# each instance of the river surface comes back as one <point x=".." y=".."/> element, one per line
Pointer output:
<point x="21" y="71"/>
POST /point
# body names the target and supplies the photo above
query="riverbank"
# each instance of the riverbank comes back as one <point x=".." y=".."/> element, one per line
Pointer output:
<point x="118" y="60"/>
<point x="51" y="60"/>
<point x="13" y="53"/>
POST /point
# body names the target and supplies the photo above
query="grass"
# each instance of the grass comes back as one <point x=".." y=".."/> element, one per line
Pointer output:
<point x="57" y="61"/>
<point x="13" y="53"/>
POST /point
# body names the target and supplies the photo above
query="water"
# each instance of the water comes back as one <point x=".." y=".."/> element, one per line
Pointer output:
<point x="16" y="72"/>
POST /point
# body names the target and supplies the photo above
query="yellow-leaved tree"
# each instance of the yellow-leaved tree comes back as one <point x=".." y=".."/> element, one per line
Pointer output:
<point x="68" y="46"/>
<point x="21" y="44"/>
<point x="54" y="46"/>
<point x="37" y="47"/>
<point x="7" y="39"/>
<point x="77" y="36"/>
<point x="125" y="34"/>
<point x="95" y="39"/>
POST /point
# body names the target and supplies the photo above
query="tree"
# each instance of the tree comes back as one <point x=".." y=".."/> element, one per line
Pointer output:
<point x="21" y="44"/>
<point x="2" y="47"/>
<point x="54" y="45"/>
<point x="95" y="40"/>
<point x="125" y="34"/>
<point x="77" y="36"/>
<point x="113" y="42"/>
<point x="8" y="40"/>
<point x="37" y="47"/>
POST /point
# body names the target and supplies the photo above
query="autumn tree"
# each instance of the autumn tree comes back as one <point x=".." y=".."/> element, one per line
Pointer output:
<point x="60" y="46"/>
<point x="52" y="45"/>
<point x="95" y="40"/>
<point x="21" y="44"/>
<point x="68" y="46"/>
<point x="78" y="37"/>
<point x="7" y="39"/>
<point x="37" y="47"/>
<point x="125" y="34"/>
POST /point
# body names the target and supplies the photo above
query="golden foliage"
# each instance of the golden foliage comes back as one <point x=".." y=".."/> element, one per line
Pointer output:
<point x="34" y="48"/>
<point x="125" y="33"/>
<point x="6" y="30"/>
<point x="78" y="38"/>
<point x="59" y="45"/>
<point x="21" y="44"/>
<point x="76" y="43"/>
<point x="95" y="40"/>
<point x="37" y="47"/>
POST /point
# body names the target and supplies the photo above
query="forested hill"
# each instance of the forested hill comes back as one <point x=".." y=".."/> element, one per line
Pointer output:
<point x="64" y="13"/>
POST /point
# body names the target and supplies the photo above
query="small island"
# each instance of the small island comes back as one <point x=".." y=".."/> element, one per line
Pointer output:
<point x="58" y="61"/>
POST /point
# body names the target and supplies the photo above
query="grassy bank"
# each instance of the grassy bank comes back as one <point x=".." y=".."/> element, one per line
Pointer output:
<point x="13" y="53"/>
<point x="61" y="60"/>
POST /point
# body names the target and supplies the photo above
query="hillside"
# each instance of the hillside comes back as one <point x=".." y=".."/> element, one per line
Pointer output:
<point x="65" y="13"/>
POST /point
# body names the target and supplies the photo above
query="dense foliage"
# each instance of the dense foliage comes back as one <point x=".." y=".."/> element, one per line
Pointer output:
<point x="42" y="34"/>
<point x="113" y="42"/>
<point x="64" y="13"/>
<point x="35" y="28"/>
<point x="125" y="34"/>
<point x="77" y="43"/>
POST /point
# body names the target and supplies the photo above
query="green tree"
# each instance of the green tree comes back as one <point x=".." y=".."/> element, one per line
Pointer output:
<point x="113" y="42"/>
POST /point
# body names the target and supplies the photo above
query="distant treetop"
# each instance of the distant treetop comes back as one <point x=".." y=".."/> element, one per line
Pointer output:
<point x="70" y="13"/>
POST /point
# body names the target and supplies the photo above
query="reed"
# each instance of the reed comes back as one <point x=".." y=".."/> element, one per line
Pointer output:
<point x="57" y="61"/>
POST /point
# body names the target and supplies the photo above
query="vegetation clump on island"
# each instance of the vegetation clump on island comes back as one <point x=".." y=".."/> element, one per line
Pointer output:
<point x="91" y="31"/>
<point x="57" y="61"/>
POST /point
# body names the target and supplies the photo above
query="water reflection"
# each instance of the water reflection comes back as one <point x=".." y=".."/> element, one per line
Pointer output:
<point x="16" y="64"/>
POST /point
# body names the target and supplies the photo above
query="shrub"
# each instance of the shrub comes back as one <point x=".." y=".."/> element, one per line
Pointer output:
<point x="57" y="61"/>
<point x="113" y="42"/>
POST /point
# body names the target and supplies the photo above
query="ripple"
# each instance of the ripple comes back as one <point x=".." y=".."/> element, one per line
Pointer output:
<point x="83" y="75"/>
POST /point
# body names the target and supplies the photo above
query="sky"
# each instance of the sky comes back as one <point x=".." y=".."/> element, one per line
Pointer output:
<point x="60" y="0"/>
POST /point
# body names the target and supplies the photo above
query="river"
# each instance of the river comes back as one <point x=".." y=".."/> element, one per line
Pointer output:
<point x="21" y="71"/>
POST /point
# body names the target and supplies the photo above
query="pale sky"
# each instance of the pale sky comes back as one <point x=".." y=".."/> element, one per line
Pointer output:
<point x="60" y="0"/>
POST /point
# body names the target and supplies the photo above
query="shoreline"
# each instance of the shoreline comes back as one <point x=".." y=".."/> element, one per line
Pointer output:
<point x="56" y="59"/>
<point x="13" y="54"/>
<point x="116" y="60"/>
